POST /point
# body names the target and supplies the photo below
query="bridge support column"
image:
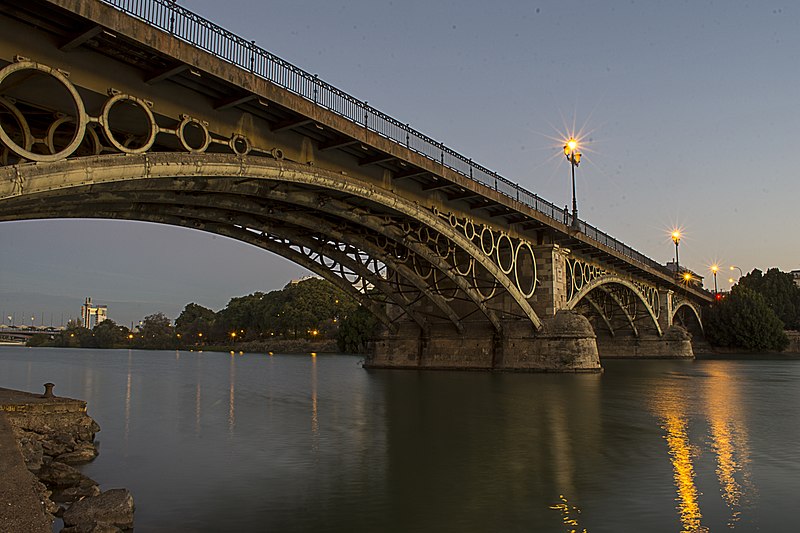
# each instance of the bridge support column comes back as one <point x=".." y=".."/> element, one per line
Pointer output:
<point x="551" y="273"/>
<point x="674" y="343"/>
<point x="566" y="343"/>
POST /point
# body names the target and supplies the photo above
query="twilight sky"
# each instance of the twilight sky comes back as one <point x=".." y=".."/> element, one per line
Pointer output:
<point x="690" y="110"/>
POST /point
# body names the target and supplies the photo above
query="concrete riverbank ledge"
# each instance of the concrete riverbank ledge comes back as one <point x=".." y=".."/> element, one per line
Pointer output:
<point x="42" y="437"/>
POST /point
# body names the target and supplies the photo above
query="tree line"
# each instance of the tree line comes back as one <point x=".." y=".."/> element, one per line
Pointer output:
<point x="756" y="313"/>
<point x="311" y="309"/>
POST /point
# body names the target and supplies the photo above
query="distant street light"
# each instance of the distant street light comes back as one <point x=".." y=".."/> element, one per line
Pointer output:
<point x="676" y="238"/>
<point x="741" y="274"/>
<point x="714" y="269"/>
<point x="574" y="158"/>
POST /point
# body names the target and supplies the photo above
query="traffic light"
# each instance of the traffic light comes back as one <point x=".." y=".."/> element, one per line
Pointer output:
<point x="719" y="297"/>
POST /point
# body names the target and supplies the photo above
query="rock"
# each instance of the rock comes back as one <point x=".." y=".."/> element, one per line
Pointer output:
<point x="87" y="487"/>
<point x="59" y="475"/>
<point x="113" y="507"/>
<point x="32" y="453"/>
<point x="94" y="528"/>
<point x="83" y="453"/>
<point x="58" y="444"/>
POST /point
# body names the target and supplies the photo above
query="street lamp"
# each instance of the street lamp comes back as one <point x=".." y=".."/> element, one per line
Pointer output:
<point x="714" y="269"/>
<point x="574" y="158"/>
<point x="676" y="238"/>
<point x="737" y="268"/>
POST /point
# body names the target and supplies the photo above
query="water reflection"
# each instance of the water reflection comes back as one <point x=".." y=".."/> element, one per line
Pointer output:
<point x="232" y="394"/>
<point x="314" y="412"/>
<point x="569" y="515"/>
<point x="729" y="440"/>
<point x="128" y="400"/>
<point x="718" y="403"/>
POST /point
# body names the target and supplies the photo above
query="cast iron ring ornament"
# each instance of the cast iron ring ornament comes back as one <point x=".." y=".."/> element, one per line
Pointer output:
<point x="84" y="132"/>
<point x="80" y="115"/>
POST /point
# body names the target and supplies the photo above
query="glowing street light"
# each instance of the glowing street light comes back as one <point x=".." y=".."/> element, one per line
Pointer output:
<point x="741" y="274"/>
<point x="574" y="158"/>
<point x="676" y="238"/>
<point x="714" y="270"/>
<point x="687" y="277"/>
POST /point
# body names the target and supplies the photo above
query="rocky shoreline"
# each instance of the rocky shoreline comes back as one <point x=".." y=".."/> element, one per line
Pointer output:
<point x="55" y="435"/>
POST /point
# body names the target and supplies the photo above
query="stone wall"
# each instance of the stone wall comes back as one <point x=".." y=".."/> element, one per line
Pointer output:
<point x="54" y="435"/>
<point x="676" y="343"/>
<point x="566" y="343"/>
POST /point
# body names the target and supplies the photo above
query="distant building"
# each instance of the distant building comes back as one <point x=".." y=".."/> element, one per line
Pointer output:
<point x="796" y="277"/>
<point x="92" y="315"/>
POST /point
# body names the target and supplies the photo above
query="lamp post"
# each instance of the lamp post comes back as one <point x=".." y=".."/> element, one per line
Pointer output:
<point x="574" y="158"/>
<point x="676" y="238"/>
<point x="714" y="270"/>
<point x="741" y="274"/>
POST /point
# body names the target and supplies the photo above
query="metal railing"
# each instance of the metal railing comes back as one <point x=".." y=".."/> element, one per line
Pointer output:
<point x="204" y="34"/>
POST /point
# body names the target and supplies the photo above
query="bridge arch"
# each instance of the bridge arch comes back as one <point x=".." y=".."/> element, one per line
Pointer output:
<point x="247" y="187"/>
<point x="603" y="283"/>
<point x="688" y="308"/>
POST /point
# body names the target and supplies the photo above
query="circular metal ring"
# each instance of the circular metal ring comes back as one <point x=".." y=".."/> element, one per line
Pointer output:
<point x="469" y="229"/>
<point x="182" y="136"/>
<point x="470" y="263"/>
<point x="517" y="262"/>
<point x="27" y="137"/>
<point x="477" y="288"/>
<point x="236" y="142"/>
<point x="498" y="256"/>
<point x="483" y="240"/>
<point x="105" y="122"/>
<point x="80" y="113"/>
<point x="419" y="269"/>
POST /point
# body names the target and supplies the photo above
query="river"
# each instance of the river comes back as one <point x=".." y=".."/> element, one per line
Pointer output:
<point x="213" y="442"/>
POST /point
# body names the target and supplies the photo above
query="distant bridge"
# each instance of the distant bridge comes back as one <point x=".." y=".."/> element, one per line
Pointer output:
<point x="142" y="110"/>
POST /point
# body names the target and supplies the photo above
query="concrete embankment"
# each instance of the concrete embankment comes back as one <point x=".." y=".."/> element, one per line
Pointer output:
<point x="41" y="437"/>
<point x="21" y="507"/>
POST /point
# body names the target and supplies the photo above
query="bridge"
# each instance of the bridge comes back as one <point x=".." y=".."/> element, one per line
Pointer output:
<point x="143" y="110"/>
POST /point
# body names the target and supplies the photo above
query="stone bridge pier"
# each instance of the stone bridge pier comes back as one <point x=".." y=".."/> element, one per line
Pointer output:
<point x="561" y="340"/>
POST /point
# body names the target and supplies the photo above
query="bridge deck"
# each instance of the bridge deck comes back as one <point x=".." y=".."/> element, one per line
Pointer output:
<point x="169" y="44"/>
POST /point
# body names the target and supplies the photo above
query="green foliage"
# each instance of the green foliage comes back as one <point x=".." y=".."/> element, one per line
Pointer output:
<point x="73" y="336"/>
<point x="355" y="331"/>
<point x="779" y="292"/>
<point x="108" y="334"/>
<point x="195" y="323"/>
<point x="744" y="320"/>
<point x="156" y="333"/>
<point x="298" y="310"/>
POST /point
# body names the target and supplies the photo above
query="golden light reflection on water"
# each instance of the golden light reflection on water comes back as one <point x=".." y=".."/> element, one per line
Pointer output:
<point x="680" y="454"/>
<point x="232" y="396"/>
<point x="720" y="404"/>
<point x="729" y="440"/>
<point x="569" y="515"/>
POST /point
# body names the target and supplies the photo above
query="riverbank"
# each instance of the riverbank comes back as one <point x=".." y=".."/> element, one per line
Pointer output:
<point x="42" y="438"/>
<point x="283" y="346"/>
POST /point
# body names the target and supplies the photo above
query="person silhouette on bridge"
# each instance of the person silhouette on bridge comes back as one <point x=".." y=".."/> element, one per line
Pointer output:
<point x="566" y="214"/>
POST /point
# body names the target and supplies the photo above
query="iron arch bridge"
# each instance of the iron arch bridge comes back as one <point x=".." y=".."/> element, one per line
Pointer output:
<point x="142" y="110"/>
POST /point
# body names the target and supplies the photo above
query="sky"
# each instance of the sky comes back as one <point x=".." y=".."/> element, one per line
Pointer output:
<point x="688" y="111"/>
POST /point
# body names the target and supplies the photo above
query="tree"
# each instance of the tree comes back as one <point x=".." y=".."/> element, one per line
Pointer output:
<point x="355" y="331"/>
<point x="156" y="333"/>
<point x="108" y="334"/>
<point x="744" y="320"/>
<point x="73" y="336"/>
<point x="195" y="322"/>
<point x="779" y="292"/>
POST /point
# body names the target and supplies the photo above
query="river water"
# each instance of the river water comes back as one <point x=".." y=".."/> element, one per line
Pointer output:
<point x="214" y="442"/>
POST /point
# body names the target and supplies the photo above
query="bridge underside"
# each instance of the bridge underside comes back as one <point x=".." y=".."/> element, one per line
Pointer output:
<point x="459" y="273"/>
